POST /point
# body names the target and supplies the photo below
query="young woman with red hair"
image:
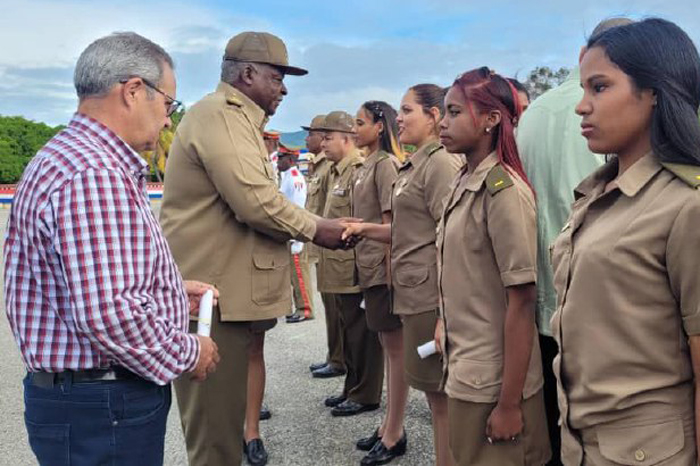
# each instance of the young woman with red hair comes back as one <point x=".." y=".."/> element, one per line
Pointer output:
<point x="487" y="256"/>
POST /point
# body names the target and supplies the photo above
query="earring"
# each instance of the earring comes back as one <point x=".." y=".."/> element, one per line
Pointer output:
<point x="488" y="130"/>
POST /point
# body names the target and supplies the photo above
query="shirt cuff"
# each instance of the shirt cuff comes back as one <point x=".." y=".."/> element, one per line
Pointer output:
<point x="308" y="231"/>
<point x="691" y="324"/>
<point x="519" y="277"/>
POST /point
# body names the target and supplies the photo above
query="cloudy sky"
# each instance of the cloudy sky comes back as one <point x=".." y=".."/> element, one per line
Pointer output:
<point x="355" y="51"/>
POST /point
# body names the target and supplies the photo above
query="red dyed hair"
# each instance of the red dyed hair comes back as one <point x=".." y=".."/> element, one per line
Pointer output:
<point x="488" y="91"/>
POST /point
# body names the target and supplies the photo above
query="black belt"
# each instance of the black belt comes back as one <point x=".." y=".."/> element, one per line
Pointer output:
<point x="50" y="379"/>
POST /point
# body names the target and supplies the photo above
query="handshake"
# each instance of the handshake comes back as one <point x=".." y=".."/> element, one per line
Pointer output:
<point x="338" y="233"/>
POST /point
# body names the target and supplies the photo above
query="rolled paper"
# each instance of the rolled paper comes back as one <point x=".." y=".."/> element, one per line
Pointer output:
<point x="206" y="305"/>
<point x="362" y="304"/>
<point x="427" y="349"/>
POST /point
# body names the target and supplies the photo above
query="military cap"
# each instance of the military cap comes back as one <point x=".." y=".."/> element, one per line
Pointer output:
<point x="286" y="151"/>
<point x="261" y="47"/>
<point x="338" y="121"/>
<point x="315" y="123"/>
<point x="274" y="135"/>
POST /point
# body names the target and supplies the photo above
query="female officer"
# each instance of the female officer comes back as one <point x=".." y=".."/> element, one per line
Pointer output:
<point x="417" y="201"/>
<point x="625" y="265"/>
<point x="487" y="256"/>
<point x="377" y="132"/>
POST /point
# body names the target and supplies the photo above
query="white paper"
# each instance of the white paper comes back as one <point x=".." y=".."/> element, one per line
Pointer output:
<point x="427" y="349"/>
<point x="206" y="304"/>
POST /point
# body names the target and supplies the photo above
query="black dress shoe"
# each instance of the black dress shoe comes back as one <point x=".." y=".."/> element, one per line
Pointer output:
<point x="381" y="454"/>
<point x="366" y="443"/>
<point x="351" y="408"/>
<point x="255" y="452"/>
<point x="265" y="414"/>
<point x="333" y="401"/>
<point x="318" y="365"/>
<point x="295" y="318"/>
<point x="327" y="372"/>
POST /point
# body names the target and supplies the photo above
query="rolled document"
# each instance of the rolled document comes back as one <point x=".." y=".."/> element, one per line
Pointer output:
<point x="206" y="304"/>
<point x="427" y="349"/>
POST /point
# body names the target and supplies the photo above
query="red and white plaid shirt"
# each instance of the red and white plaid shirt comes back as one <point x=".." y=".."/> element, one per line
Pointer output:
<point x="89" y="278"/>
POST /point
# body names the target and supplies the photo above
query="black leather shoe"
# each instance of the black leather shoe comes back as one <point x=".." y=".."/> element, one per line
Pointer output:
<point x="380" y="454"/>
<point x="295" y="318"/>
<point x="351" y="408"/>
<point x="255" y="452"/>
<point x="265" y="414"/>
<point x="318" y="365"/>
<point x="333" y="401"/>
<point x="366" y="443"/>
<point x="327" y="372"/>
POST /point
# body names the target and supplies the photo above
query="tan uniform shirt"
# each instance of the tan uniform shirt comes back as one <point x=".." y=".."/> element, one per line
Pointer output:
<point x="487" y="241"/>
<point x="372" y="197"/>
<point x="337" y="268"/>
<point x="417" y="204"/>
<point x="628" y="287"/>
<point x="225" y="219"/>
<point x="316" y="196"/>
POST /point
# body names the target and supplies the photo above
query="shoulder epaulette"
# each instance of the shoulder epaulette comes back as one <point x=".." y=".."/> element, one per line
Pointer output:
<point x="233" y="100"/>
<point x="689" y="174"/>
<point x="381" y="155"/>
<point x="432" y="148"/>
<point x="498" y="179"/>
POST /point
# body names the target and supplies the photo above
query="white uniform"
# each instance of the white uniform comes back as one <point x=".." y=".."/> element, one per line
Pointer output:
<point x="293" y="186"/>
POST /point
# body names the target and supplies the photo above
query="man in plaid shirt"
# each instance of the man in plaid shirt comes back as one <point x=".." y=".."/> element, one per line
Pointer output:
<point x="94" y="299"/>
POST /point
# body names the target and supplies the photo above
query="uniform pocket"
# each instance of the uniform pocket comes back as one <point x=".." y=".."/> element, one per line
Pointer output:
<point x="479" y="381"/>
<point x="339" y="267"/>
<point x="50" y="443"/>
<point x="642" y="445"/>
<point x="270" y="278"/>
<point x="412" y="277"/>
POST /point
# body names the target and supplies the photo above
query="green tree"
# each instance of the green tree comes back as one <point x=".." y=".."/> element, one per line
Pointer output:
<point x="543" y="78"/>
<point x="20" y="139"/>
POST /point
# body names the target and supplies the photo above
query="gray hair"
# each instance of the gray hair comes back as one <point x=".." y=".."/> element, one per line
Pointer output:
<point x="232" y="69"/>
<point x="119" y="56"/>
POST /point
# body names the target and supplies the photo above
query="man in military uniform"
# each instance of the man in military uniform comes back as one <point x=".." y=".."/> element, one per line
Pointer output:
<point x="319" y="168"/>
<point x="272" y="144"/>
<point x="362" y="351"/>
<point x="226" y="220"/>
<point x="293" y="186"/>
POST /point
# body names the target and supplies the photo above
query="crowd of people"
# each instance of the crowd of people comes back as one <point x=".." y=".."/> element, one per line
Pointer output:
<point x="548" y="254"/>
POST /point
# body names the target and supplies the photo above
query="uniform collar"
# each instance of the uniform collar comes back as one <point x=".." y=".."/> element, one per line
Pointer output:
<point x="318" y="158"/>
<point x="423" y="152"/>
<point x="629" y="183"/>
<point x="373" y="158"/>
<point x="351" y="158"/>
<point x="477" y="176"/>
<point x="236" y="97"/>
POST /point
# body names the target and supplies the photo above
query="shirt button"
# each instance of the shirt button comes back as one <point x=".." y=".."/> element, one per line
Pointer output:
<point x="477" y="380"/>
<point x="639" y="455"/>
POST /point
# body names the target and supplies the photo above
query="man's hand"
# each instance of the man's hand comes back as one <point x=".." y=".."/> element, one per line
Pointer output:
<point x="329" y="232"/>
<point x="208" y="359"/>
<point x="504" y="424"/>
<point x="195" y="290"/>
<point x="439" y="330"/>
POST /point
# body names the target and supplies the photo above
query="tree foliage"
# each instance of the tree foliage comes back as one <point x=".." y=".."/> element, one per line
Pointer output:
<point x="156" y="159"/>
<point x="20" y="139"/>
<point x="543" y="78"/>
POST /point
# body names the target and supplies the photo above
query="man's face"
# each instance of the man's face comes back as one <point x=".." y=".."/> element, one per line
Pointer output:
<point x="151" y="112"/>
<point x="270" y="145"/>
<point x="313" y="141"/>
<point x="284" y="162"/>
<point x="334" y="145"/>
<point x="267" y="87"/>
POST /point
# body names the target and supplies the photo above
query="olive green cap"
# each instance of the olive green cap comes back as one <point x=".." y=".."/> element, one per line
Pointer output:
<point x="315" y="123"/>
<point x="338" y="121"/>
<point x="261" y="47"/>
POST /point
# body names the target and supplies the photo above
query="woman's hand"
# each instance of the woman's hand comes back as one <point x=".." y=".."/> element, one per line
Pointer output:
<point x="353" y="229"/>
<point x="504" y="424"/>
<point x="439" y="330"/>
<point x="195" y="290"/>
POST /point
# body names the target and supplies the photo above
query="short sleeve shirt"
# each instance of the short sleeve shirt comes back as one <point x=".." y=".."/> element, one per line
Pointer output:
<point x="487" y="241"/>
<point x="371" y="197"/>
<point x="417" y="203"/>
<point x="628" y="287"/>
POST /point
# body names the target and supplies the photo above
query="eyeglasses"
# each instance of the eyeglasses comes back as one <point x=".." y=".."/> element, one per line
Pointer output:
<point x="173" y="104"/>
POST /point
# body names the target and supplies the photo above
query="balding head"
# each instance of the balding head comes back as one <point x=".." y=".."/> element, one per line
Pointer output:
<point x="603" y="26"/>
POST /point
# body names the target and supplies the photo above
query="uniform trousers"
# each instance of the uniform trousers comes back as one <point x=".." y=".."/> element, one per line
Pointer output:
<point x="549" y="349"/>
<point x="303" y="292"/>
<point x="334" y="332"/>
<point x="362" y="351"/>
<point x="213" y="412"/>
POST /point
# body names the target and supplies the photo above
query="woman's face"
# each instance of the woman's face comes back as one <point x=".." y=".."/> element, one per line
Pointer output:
<point x="366" y="131"/>
<point x="460" y="133"/>
<point x="415" y="126"/>
<point x="616" y="115"/>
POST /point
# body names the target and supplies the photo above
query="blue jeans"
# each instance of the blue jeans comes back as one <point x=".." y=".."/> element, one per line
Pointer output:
<point x="97" y="423"/>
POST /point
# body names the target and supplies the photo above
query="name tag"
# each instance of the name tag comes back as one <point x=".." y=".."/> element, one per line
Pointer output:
<point x="340" y="192"/>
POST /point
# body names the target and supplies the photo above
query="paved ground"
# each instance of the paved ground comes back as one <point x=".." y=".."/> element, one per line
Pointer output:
<point x="301" y="431"/>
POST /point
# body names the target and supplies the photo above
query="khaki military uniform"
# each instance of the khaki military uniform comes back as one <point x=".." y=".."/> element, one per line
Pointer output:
<point x="417" y="204"/>
<point x="371" y="198"/>
<point x="227" y="224"/>
<point x="626" y="274"/>
<point x="361" y="349"/>
<point x="487" y="241"/>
